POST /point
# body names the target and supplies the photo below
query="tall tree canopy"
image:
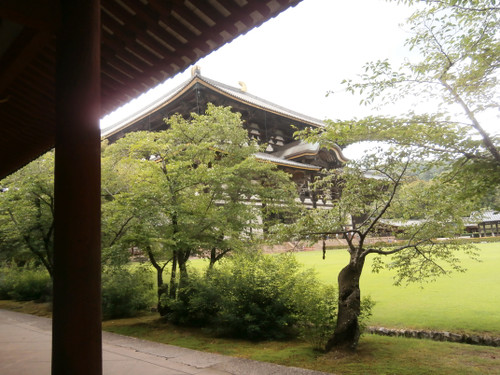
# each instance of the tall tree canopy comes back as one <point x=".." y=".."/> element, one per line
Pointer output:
<point x="194" y="189"/>
<point x="380" y="193"/>
<point x="27" y="214"/>
<point x="450" y="80"/>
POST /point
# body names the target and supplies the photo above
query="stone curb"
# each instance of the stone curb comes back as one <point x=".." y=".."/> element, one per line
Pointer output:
<point x="436" y="336"/>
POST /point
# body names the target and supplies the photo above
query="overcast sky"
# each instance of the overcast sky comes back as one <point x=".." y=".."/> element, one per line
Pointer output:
<point x="294" y="59"/>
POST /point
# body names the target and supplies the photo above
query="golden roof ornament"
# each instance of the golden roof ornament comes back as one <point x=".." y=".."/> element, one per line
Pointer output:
<point x="243" y="86"/>
<point x="196" y="71"/>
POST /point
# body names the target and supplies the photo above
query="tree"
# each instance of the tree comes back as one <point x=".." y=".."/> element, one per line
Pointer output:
<point x="458" y="46"/>
<point x="194" y="189"/>
<point x="377" y="191"/>
<point x="27" y="214"/>
<point x="452" y="80"/>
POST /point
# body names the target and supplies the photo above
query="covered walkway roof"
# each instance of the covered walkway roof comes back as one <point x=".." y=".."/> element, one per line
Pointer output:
<point x="63" y="65"/>
<point x="143" y="42"/>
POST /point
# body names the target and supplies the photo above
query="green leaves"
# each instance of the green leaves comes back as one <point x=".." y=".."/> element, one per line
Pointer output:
<point x="196" y="186"/>
<point x="452" y="79"/>
<point x="27" y="213"/>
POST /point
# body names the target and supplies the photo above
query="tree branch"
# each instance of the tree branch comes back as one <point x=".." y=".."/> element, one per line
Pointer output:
<point x="389" y="201"/>
<point x="393" y="251"/>
<point x="120" y="231"/>
<point x="447" y="4"/>
<point x="475" y="124"/>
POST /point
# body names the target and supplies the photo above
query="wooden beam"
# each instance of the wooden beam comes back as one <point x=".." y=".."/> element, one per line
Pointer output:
<point x="76" y="334"/>
<point x="35" y="14"/>
<point x="20" y="54"/>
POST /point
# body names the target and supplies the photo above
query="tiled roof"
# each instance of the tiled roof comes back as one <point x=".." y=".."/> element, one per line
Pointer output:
<point x="486" y="217"/>
<point x="261" y="103"/>
<point x="280" y="161"/>
<point x="234" y="92"/>
<point x="281" y="157"/>
<point x="144" y="111"/>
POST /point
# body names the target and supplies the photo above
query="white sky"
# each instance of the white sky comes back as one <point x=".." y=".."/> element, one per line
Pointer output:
<point x="296" y="58"/>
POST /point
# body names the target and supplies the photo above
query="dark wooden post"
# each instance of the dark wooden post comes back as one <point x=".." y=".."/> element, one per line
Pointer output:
<point x="76" y="337"/>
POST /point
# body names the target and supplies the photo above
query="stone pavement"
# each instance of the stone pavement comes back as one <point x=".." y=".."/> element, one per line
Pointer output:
<point x="25" y="349"/>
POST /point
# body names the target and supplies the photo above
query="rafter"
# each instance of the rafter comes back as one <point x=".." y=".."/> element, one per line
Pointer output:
<point x="36" y="14"/>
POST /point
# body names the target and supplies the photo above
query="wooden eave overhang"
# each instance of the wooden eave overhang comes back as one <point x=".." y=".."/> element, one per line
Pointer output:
<point x="143" y="42"/>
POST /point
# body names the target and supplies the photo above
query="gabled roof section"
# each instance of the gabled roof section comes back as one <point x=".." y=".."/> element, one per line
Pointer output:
<point x="286" y="163"/>
<point x="490" y="216"/>
<point x="300" y="148"/>
<point x="221" y="88"/>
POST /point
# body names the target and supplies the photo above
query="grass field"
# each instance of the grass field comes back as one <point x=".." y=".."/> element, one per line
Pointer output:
<point x="461" y="302"/>
<point x="376" y="355"/>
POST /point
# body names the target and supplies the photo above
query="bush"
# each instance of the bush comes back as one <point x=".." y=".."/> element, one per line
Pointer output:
<point x="255" y="296"/>
<point x="126" y="292"/>
<point x="197" y="304"/>
<point x="319" y="316"/>
<point x="25" y="284"/>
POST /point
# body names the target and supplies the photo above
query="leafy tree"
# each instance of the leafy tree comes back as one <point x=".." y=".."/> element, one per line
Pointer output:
<point x="451" y="81"/>
<point x="454" y="71"/>
<point x="27" y="214"/>
<point x="378" y="191"/>
<point x="194" y="189"/>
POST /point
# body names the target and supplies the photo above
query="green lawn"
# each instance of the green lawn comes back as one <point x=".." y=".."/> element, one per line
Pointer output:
<point x="376" y="355"/>
<point x="461" y="302"/>
<point x="467" y="301"/>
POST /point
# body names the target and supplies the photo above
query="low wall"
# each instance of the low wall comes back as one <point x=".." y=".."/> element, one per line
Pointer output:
<point x="304" y="246"/>
<point x="436" y="336"/>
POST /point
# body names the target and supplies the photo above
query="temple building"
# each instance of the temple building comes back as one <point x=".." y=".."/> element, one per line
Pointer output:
<point x="266" y="122"/>
<point x="484" y="224"/>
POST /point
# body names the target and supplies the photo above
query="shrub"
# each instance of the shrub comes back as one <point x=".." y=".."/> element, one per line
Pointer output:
<point x="25" y="284"/>
<point x="254" y="296"/>
<point x="319" y="315"/>
<point x="126" y="292"/>
<point x="366" y="311"/>
<point x="257" y="296"/>
<point x="197" y="303"/>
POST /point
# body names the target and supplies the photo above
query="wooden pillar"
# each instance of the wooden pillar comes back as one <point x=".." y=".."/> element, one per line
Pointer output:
<point x="76" y="336"/>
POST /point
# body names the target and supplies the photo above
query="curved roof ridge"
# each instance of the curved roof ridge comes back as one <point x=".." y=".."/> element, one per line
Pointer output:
<point x="299" y="148"/>
<point x="258" y="101"/>
<point x="285" y="162"/>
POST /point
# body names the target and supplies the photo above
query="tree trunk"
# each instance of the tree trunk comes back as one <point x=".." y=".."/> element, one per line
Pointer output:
<point x="173" y="276"/>
<point x="182" y="259"/>
<point x="161" y="287"/>
<point x="162" y="290"/>
<point x="213" y="258"/>
<point x="347" y="330"/>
